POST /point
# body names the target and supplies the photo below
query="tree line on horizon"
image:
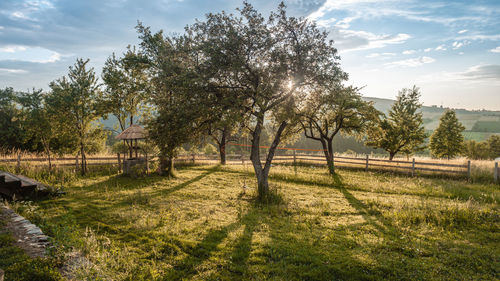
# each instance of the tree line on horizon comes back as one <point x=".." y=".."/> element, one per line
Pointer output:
<point x="225" y="77"/>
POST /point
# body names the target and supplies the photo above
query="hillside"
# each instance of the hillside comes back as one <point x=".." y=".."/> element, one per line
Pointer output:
<point x="479" y="125"/>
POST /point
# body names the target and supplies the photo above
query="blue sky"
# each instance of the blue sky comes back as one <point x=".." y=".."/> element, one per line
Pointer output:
<point x="450" y="49"/>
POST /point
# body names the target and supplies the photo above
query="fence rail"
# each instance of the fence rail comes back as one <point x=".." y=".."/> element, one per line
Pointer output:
<point x="232" y="159"/>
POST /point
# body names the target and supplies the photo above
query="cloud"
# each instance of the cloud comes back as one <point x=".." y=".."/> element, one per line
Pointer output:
<point x="409" y="52"/>
<point x="441" y="48"/>
<point x="380" y="55"/>
<point x="457" y="45"/>
<point x="496" y="50"/>
<point x="482" y="72"/>
<point x="363" y="40"/>
<point x="414" y="62"/>
<point x="9" y="70"/>
<point x="462" y="31"/>
<point x="427" y="50"/>
<point x="29" y="54"/>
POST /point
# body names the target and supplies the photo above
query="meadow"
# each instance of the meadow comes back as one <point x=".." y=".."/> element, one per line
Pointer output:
<point x="204" y="225"/>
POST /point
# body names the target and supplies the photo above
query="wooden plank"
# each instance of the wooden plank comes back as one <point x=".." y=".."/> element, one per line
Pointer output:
<point x="439" y="164"/>
<point x="439" y="170"/>
<point x="390" y="166"/>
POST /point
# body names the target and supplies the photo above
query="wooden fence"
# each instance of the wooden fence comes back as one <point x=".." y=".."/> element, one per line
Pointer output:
<point x="411" y="167"/>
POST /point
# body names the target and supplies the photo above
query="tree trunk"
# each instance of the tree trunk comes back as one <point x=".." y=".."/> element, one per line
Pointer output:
<point x="262" y="174"/>
<point x="391" y="155"/>
<point x="166" y="166"/>
<point x="83" y="166"/>
<point x="222" y="152"/>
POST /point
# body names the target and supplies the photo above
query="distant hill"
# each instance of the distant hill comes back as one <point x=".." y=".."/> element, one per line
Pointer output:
<point x="479" y="124"/>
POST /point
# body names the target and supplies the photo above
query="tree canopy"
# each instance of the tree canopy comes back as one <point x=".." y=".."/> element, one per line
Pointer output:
<point x="447" y="140"/>
<point x="403" y="130"/>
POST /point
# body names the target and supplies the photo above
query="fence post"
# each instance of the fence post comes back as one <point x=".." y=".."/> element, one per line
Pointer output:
<point x="413" y="167"/>
<point x="18" y="166"/>
<point x="242" y="159"/>
<point x="294" y="158"/>
<point x="192" y="159"/>
<point x="119" y="162"/>
<point x="147" y="164"/>
<point x="367" y="158"/>
<point x="76" y="162"/>
<point x="468" y="170"/>
<point x="495" y="173"/>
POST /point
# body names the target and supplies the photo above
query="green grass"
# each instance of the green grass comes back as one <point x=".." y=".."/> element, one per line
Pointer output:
<point x="201" y="226"/>
<point x="20" y="267"/>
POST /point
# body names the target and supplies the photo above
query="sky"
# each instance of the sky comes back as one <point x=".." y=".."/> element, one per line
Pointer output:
<point x="450" y="49"/>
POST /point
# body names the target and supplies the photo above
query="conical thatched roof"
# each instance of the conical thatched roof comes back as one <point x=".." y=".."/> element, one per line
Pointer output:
<point x="134" y="132"/>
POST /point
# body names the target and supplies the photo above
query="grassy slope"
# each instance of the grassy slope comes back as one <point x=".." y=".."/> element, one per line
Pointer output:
<point x="355" y="226"/>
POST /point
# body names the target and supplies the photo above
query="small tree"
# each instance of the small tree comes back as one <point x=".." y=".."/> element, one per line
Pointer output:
<point x="37" y="122"/>
<point x="335" y="110"/>
<point x="494" y="146"/>
<point x="127" y="88"/>
<point x="403" y="130"/>
<point x="476" y="150"/>
<point x="447" y="140"/>
<point x="13" y="135"/>
<point x="75" y="103"/>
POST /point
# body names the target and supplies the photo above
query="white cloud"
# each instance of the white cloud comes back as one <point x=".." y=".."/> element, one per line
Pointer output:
<point x="482" y="72"/>
<point x="496" y="50"/>
<point x="29" y="54"/>
<point x="462" y="31"/>
<point x="457" y="45"/>
<point x="440" y="48"/>
<point x="363" y="40"/>
<point x="427" y="50"/>
<point x="380" y="55"/>
<point x="414" y="62"/>
<point x="409" y="52"/>
<point x="9" y="70"/>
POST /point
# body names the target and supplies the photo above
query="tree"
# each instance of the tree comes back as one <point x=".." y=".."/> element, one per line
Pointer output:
<point x="10" y="122"/>
<point x="75" y="102"/>
<point x="402" y="131"/>
<point x="270" y="64"/>
<point x="127" y="86"/>
<point x="36" y="122"/>
<point x="494" y="146"/>
<point x="178" y="94"/>
<point x="334" y="110"/>
<point x="447" y="140"/>
<point x="476" y="150"/>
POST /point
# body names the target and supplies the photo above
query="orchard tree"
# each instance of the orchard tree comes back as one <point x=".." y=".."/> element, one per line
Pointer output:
<point x="270" y="64"/>
<point x="127" y="86"/>
<point x="447" y="140"/>
<point x="75" y="103"/>
<point x="36" y="121"/>
<point x="403" y="130"/>
<point x="13" y="135"/>
<point x="181" y="109"/>
<point x="494" y="146"/>
<point x="335" y="109"/>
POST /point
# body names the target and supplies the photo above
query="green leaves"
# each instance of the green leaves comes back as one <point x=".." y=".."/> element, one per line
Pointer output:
<point x="403" y="130"/>
<point x="447" y="140"/>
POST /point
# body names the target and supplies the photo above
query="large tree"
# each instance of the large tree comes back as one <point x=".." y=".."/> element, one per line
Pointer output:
<point x="270" y="64"/>
<point x="75" y="102"/>
<point x="403" y="130"/>
<point x="335" y="109"/>
<point x="447" y="140"/>
<point x="127" y="86"/>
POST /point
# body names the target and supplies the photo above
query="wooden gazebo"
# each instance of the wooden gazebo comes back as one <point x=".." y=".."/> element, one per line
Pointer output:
<point x="133" y="134"/>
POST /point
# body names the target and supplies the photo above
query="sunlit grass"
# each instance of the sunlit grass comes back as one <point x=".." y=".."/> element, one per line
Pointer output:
<point x="203" y="225"/>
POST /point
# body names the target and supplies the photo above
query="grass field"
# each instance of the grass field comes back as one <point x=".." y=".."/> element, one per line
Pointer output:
<point x="201" y="226"/>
